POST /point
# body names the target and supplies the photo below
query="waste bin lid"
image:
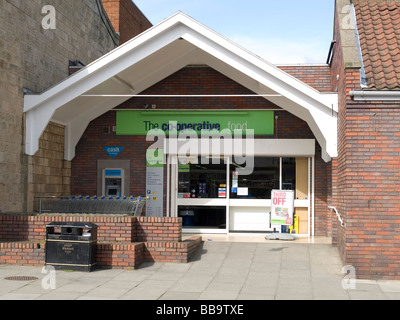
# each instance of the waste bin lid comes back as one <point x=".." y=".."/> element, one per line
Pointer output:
<point x="80" y="225"/>
<point x="184" y="213"/>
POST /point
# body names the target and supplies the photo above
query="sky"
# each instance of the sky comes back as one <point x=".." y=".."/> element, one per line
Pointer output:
<point x="281" y="32"/>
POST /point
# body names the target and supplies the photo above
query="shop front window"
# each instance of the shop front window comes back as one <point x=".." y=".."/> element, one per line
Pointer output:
<point x="295" y="176"/>
<point x="288" y="173"/>
<point x="257" y="185"/>
<point x="201" y="177"/>
<point x="210" y="217"/>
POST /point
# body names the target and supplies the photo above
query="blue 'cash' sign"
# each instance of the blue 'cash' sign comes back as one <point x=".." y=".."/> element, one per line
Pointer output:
<point x="113" y="152"/>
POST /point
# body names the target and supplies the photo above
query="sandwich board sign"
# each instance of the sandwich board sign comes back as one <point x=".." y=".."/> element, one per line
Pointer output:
<point x="282" y="207"/>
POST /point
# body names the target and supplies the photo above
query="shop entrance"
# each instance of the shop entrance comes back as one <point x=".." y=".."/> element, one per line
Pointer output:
<point x="211" y="197"/>
<point x="202" y="199"/>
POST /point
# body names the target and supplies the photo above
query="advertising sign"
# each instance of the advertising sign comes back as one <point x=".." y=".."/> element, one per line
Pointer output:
<point x="113" y="152"/>
<point x="154" y="183"/>
<point x="139" y="122"/>
<point x="282" y="207"/>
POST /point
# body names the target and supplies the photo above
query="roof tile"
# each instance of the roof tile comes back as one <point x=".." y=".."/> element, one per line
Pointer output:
<point x="378" y="25"/>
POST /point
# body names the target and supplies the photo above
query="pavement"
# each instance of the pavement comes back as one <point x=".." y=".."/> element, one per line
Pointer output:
<point x="230" y="268"/>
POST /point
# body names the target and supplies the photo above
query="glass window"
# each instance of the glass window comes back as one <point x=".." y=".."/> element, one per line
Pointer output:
<point x="213" y="217"/>
<point x="203" y="177"/>
<point x="258" y="185"/>
<point x="295" y="176"/>
<point x="198" y="177"/>
<point x="288" y="173"/>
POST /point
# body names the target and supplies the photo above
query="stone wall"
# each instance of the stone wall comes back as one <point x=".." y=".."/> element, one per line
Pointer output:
<point x="34" y="58"/>
<point x="49" y="173"/>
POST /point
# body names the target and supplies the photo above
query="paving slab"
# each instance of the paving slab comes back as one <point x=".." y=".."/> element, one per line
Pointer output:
<point x="221" y="270"/>
<point x="389" y="286"/>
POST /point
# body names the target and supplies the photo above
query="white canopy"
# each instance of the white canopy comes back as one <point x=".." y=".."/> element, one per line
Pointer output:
<point x="157" y="53"/>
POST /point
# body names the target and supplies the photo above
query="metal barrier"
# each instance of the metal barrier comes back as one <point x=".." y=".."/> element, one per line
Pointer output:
<point x="101" y="205"/>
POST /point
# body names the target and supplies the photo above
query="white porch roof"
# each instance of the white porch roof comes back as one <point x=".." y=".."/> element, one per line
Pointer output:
<point x="157" y="53"/>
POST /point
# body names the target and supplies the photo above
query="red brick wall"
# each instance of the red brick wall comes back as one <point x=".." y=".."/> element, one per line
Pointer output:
<point x="108" y="255"/>
<point x="112" y="9"/>
<point x="110" y="229"/>
<point x="372" y="189"/>
<point x="365" y="178"/>
<point x="158" y="229"/>
<point x="338" y="84"/>
<point x="124" y="256"/>
<point x="22" y="240"/>
<point x="132" y="21"/>
<point x="23" y="228"/>
<point x="90" y="149"/>
<point x="126" y="18"/>
<point x="22" y="253"/>
<point x="338" y="189"/>
<point x="171" y="252"/>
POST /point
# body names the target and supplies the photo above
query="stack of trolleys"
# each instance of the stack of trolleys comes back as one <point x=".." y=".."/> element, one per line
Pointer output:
<point x="97" y="205"/>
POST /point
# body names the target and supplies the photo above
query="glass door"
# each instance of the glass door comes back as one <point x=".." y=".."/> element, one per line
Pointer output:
<point x="202" y="193"/>
<point x="250" y="195"/>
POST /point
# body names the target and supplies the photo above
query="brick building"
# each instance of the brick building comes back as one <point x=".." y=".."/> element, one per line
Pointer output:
<point x="365" y="175"/>
<point x="328" y="132"/>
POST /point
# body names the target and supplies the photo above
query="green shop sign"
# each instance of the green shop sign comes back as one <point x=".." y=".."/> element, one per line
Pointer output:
<point x="137" y="122"/>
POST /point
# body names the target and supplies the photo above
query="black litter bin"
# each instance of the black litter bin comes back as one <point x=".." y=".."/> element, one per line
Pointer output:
<point x="71" y="245"/>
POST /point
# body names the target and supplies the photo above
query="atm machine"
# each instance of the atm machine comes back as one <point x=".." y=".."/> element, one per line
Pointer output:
<point x="112" y="182"/>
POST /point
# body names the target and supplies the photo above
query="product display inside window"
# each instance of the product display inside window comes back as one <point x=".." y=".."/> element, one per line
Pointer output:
<point x="199" y="177"/>
<point x="257" y="185"/>
<point x="211" y="189"/>
<point x="203" y="177"/>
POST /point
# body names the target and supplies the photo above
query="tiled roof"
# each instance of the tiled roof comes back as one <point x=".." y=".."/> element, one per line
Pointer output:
<point x="378" y="23"/>
<point x="316" y="76"/>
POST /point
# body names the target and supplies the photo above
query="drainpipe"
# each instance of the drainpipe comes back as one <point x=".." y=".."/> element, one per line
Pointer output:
<point x="375" y="95"/>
